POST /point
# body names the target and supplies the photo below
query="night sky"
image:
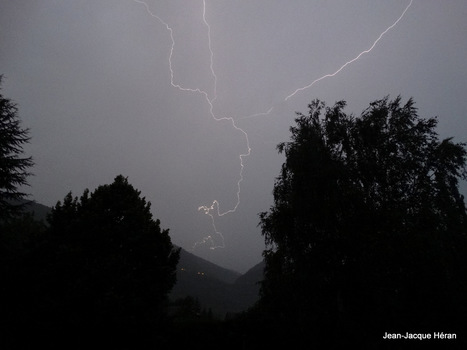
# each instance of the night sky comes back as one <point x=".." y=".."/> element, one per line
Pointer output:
<point x="92" y="81"/>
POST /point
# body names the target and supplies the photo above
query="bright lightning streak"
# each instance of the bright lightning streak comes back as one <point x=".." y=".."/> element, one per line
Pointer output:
<point x="352" y="60"/>
<point x="172" y="74"/>
<point x="215" y="206"/>
<point x="211" y="66"/>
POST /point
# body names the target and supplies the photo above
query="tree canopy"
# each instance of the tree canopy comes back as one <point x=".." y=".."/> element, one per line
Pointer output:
<point x="103" y="263"/>
<point x="368" y="230"/>
<point x="13" y="165"/>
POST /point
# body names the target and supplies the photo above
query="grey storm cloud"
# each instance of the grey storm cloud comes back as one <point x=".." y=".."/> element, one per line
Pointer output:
<point x="92" y="81"/>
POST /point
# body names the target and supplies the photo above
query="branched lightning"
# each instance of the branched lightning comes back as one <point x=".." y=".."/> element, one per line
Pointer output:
<point x="214" y="208"/>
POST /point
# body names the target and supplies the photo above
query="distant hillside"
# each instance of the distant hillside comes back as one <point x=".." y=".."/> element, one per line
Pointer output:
<point x="221" y="290"/>
<point x="39" y="211"/>
<point x="252" y="276"/>
<point x="193" y="264"/>
<point x="245" y="291"/>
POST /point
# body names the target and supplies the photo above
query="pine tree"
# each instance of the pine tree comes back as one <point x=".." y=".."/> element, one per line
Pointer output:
<point x="13" y="165"/>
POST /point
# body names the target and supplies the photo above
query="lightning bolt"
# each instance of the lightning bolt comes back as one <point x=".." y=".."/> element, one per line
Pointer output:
<point x="214" y="208"/>
<point x="268" y="112"/>
<point x="352" y="60"/>
<point x="172" y="48"/>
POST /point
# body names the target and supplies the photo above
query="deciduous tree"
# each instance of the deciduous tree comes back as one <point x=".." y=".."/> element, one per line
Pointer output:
<point x="368" y="228"/>
<point x="103" y="264"/>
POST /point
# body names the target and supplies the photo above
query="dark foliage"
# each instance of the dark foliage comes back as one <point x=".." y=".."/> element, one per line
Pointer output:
<point x="13" y="166"/>
<point x="102" y="267"/>
<point x="368" y="229"/>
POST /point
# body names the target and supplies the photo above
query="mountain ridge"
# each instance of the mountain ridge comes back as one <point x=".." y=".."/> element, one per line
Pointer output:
<point x="221" y="290"/>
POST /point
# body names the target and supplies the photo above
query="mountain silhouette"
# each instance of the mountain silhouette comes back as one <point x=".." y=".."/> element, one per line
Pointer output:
<point x="221" y="290"/>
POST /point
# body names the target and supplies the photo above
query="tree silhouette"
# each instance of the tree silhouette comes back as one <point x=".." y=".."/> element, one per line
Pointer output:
<point x="368" y="229"/>
<point x="13" y="166"/>
<point x="104" y="264"/>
